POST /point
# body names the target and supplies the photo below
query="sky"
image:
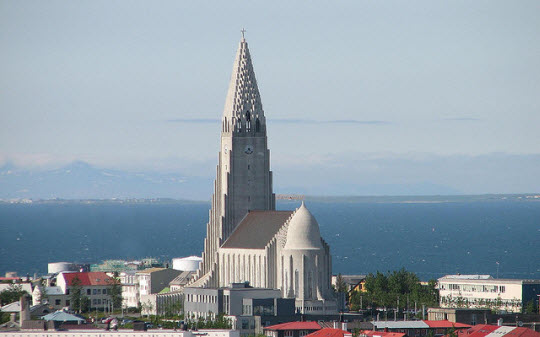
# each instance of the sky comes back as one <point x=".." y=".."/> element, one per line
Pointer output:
<point x="381" y="95"/>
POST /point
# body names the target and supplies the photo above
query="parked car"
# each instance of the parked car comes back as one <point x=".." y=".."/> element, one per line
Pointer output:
<point x="126" y="321"/>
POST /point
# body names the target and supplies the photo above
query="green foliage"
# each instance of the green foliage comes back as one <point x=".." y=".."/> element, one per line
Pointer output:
<point x="173" y="310"/>
<point x="341" y="287"/>
<point x="79" y="302"/>
<point x="385" y="290"/>
<point x="116" y="291"/>
<point x="530" y="307"/>
<point x="12" y="294"/>
<point x="4" y="317"/>
<point x="76" y="294"/>
<point x="219" y="322"/>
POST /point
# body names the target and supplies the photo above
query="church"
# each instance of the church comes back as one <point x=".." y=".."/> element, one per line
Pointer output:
<point x="247" y="240"/>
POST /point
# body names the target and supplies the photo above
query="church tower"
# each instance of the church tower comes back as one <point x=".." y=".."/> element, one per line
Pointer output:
<point x="243" y="178"/>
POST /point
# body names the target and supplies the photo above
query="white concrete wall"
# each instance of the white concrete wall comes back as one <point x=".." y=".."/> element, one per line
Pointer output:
<point x="471" y="293"/>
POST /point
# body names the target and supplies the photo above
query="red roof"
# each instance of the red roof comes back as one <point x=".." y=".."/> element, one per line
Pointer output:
<point x="483" y="330"/>
<point x="382" y="333"/>
<point x="446" y="324"/>
<point x="295" y="326"/>
<point x="96" y="278"/>
<point x="329" y="332"/>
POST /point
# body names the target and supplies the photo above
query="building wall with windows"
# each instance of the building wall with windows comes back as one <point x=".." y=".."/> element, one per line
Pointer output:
<point x="96" y="286"/>
<point x="483" y="291"/>
<point x="130" y="289"/>
<point x="202" y="302"/>
<point x="153" y="280"/>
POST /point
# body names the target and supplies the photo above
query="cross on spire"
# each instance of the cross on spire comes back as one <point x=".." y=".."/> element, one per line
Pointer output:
<point x="243" y="31"/>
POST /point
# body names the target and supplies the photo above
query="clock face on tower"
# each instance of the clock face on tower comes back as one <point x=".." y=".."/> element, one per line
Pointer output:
<point x="248" y="149"/>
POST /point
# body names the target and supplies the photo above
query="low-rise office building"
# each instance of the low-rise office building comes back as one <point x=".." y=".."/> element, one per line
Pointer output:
<point x="238" y="300"/>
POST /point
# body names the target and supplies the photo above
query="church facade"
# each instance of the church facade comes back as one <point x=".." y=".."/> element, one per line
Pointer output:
<point x="247" y="239"/>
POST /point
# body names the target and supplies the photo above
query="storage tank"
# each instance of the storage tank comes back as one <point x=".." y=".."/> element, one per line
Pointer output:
<point x="57" y="267"/>
<point x="190" y="263"/>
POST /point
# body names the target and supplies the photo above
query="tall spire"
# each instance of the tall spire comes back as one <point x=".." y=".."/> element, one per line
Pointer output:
<point x="243" y="103"/>
<point x="243" y="177"/>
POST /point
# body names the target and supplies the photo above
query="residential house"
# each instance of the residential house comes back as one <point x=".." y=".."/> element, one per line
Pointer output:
<point x="96" y="286"/>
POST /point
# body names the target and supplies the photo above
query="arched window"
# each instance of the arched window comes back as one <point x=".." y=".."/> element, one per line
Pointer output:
<point x="257" y="125"/>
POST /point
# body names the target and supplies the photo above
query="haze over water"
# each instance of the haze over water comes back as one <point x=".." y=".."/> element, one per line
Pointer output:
<point x="430" y="238"/>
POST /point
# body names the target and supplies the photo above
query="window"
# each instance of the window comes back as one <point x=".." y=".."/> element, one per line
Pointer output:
<point x="88" y="292"/>
<point x="94" y="291"/>
<point x="57" y="302"/>
<point x="67" y="291"/>
<point x="68" y="302"/>
<point x="104" y="291"/>
<point x="289" y="333"/>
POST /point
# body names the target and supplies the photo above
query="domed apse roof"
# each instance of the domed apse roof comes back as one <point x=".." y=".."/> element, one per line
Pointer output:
<point x="303" y="231"/>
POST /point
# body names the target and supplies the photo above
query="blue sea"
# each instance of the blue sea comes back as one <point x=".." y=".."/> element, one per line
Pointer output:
<point x="431" y="237"/>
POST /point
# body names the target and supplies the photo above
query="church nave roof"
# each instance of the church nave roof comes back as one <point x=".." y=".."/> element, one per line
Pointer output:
<point x="257" y="229"/>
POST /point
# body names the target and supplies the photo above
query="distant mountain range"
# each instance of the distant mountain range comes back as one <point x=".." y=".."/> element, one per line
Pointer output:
<point x="80" y="180"/>
<point x="494" y="174"/>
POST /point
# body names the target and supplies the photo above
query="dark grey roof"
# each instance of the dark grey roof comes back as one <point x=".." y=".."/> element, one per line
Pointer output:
<point x="257" y="229"/>
<point x="182" y="279"/>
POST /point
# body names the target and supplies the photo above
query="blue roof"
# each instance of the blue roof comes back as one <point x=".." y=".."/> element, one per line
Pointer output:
<point x="61" y="316"/>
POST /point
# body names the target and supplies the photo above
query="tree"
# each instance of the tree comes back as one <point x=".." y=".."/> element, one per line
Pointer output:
<point x="383" y="290"/>
<point x="79" y="301"/>
<point x="530" y="307"/>
<point x="12" y="294"/>
<point x="115" y="291"/>
<point x="341" y="286"/>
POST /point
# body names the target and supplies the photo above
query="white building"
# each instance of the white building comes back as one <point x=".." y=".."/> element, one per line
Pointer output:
<point x="484" y="291"/>
<point x="247" y="239"/>
<point x="190" y="263"/>
<point x="130" y="289"/>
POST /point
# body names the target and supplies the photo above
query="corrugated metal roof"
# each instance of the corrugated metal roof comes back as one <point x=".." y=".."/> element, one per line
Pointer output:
<point x="61" y="316"/>
<point x="381" y="333"/>
<point x="400" y="325"/>
<point x="483" y="330"/>
<point x="330" y="332"/>
<point x="182" y="279"/>
<point x="257" y="229"/>
<point x="446" y="324"/>
<point x="295" y="326"/>
<point x="150" y="270"/>
<point x="96" y="278"/>
<point x="12" y="307"/>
